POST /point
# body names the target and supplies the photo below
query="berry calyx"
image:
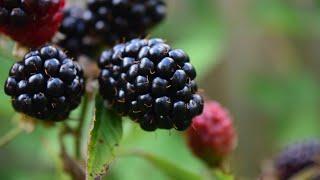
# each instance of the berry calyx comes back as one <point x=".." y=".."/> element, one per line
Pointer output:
<point x="146" y="80"/>
<point x="31" y="23"/>
<point x="46" y="84"/>
<point x="212" y="137"/>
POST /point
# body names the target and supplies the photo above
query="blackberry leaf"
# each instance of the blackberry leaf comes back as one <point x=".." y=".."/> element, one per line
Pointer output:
<point x="104" y="137"/>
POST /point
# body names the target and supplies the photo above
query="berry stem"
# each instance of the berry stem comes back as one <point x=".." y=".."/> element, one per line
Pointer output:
<point x="10" y="136"/>
<point x="70" y="166"/>
<point x="218" y="173"/>
<point x="80" y="127"/>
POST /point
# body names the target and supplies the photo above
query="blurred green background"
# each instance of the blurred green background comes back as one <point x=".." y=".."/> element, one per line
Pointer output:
<point x="259" y="58"/>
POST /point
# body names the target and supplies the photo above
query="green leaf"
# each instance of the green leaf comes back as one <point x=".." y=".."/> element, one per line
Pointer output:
<point x="105" y="135"/>
<point x="170" y="169"/>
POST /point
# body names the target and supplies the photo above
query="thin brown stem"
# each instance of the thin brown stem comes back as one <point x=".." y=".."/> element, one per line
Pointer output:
<point x="10" y="136"/>
<point x="70" y="166"/>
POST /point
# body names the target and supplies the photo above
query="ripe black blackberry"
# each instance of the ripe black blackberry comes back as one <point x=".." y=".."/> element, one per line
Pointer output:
<point x="46" y="84"/>
<point x="118" y="20"/>
<point x="296" y="158"/>
<point x="151" y="82"/>
<point x="77" y="37"/>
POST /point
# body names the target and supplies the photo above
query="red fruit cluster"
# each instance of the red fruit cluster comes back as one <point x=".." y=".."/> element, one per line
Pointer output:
<point x="31" y="22"/>
<point x="211" y="136"/>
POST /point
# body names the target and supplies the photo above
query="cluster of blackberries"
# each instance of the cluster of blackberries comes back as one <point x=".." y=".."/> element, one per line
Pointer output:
<point x="296" y="158"/>
<point x="77" y="39"/>
<point x="45" y="84"/>
<point x="31" y="23"/>
<point x="151" y="82"/>
<point x="106" y="22"/>
<point x="144" y="79"/>
<point x="124" y="19"/>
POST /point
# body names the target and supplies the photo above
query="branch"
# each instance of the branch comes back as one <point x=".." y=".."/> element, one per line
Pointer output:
<point x="70" y="166"/>
<point x="10" y="136"/>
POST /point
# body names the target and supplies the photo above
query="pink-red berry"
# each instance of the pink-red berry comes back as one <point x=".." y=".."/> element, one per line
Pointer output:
<point x="212" y="136"/>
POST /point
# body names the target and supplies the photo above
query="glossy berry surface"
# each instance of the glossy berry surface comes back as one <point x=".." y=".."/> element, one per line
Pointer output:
<point x="296" y="158"/>
<point x="118" y="20"/>
<point x="77" y="37"/>
<point x="29" y="22"/>
<point x="46" y="84"/>
<point x="211" y="136"/>
<point x="145" y="80"/>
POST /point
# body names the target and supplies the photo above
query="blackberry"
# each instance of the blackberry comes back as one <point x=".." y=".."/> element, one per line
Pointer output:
<point x="46" y="84"/>
<point x="147" y="80"/>
<point x="31" y="23"/>
<point x="296" y="158"/>
<point x="117" y="20"/>
<point x="77" y="39"/>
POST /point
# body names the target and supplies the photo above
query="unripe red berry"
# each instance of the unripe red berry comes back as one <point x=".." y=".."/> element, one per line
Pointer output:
<point x="212" y="136"/>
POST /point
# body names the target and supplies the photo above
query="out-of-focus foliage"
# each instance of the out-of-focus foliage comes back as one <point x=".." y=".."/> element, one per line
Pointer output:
<point x="292" y="104"/>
